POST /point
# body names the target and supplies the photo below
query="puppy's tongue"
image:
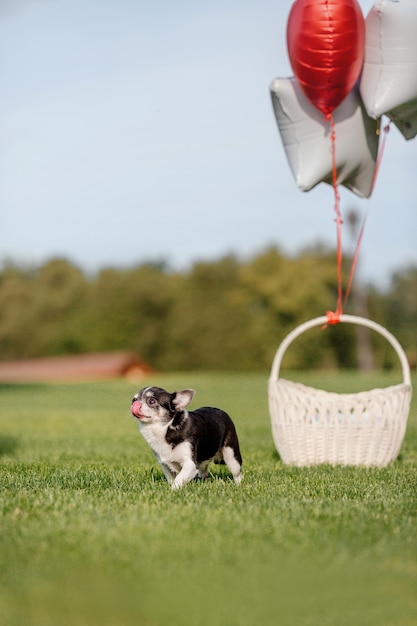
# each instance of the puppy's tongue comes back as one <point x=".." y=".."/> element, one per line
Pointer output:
<point x="135" y="409"/>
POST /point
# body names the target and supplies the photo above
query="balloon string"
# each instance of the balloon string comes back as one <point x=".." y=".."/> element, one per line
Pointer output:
<point x="354" y="262"/>
<point x="386" y="130"/>
<point x="333" y="317"/>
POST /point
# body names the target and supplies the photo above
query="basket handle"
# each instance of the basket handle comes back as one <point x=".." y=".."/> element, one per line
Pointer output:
<point x="350" y="319"/>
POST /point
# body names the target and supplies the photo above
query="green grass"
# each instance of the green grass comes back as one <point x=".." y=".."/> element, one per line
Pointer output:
<point x="91" y="534"/>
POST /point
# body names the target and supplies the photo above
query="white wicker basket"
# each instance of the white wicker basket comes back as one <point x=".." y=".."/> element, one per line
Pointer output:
<point x="312" y="426"/>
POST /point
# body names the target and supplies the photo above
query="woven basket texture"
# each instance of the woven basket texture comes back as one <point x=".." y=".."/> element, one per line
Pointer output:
<point x="312" y="426"/>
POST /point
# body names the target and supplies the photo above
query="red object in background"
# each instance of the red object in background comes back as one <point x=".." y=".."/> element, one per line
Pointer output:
<point x="326" y="42"/>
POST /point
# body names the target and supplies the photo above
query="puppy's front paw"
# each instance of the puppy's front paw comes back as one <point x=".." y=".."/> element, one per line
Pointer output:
<point x="187" y="473"/>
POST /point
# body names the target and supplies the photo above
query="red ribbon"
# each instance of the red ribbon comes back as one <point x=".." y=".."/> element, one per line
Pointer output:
<point x="333" y="317"/>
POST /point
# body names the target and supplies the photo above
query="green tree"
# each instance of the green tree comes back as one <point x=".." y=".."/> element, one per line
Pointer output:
<point x="16" y="306"/>
<point x="226" y="314"/>
<point x="130" y="309"/>
<point x="397" y="310"/>
<point x="283" y="292"/>
<point x="208" y="321"/>
<point x="58" y="309"/>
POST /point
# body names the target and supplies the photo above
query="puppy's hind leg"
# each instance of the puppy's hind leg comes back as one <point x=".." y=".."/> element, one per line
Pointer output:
<point x="188" y="472"/>
<point x="203" y="470"/>
<point x="232" y="462"/>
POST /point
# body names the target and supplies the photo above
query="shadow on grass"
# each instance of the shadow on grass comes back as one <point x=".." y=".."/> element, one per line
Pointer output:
<point x="216" y="472"/>
<point x="275" y="455"/>
<point x="16" y="386"/>
<point x="8" y="445"/>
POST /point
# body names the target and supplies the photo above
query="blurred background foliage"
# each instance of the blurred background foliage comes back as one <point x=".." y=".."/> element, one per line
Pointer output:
<point x="227" y="314"/>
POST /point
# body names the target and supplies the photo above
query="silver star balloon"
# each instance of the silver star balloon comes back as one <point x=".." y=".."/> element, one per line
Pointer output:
<point x="306" y="137"/>
<point x="389" y="78"/>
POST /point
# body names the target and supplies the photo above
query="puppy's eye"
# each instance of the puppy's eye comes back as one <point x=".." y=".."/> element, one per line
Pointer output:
<point x="151" y="401"/>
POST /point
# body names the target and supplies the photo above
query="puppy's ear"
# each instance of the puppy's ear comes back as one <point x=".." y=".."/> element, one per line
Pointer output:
<point x="182" y="398"/>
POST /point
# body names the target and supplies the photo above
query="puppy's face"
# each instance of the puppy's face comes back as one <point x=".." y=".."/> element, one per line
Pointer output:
<point x="157" y="405"/>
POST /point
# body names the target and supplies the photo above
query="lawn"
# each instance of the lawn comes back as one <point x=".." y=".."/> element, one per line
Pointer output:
<point x="92" y="535"/>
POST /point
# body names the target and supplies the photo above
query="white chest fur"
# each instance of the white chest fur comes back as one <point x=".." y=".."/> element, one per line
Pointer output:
<point x="155" y="434"/>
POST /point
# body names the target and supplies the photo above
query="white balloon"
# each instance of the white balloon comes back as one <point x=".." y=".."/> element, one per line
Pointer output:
<point x="306" y="137"/>
<point x="389" y="78"/>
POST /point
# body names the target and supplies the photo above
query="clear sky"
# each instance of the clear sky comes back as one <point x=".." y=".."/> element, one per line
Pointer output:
<point x="136" y="130"/>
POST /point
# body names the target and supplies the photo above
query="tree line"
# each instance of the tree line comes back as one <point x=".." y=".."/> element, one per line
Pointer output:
<point x="226" y="314"/>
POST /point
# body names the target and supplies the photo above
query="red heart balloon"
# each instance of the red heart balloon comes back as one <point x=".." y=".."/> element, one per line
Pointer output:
<point x="326" y="42"/>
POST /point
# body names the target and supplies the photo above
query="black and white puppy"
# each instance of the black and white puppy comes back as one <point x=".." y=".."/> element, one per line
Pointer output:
<point x="184" y="442"/>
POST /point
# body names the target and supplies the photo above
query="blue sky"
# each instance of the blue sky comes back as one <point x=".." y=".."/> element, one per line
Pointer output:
<point x="135" y="130"/>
